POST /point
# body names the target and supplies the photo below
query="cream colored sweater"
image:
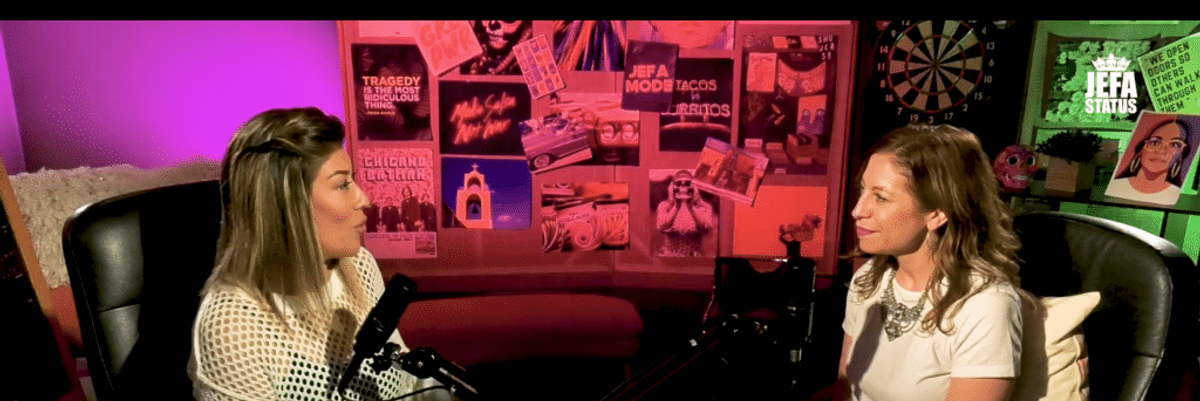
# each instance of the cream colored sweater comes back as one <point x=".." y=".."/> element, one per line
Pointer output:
<point x="241" y="351"/>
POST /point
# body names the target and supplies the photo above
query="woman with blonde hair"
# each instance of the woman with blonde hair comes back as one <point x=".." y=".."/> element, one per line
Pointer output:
<point x="935" y="313"/>
<point x="292" y="282"/>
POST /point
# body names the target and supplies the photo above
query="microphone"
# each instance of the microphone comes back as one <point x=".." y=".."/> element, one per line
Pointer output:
<point x="381" y="322"/>
<point x="424" y="362"/>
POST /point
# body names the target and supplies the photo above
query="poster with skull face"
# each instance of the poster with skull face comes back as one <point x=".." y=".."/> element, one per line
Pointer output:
<point x="788" y="94"/>
<point x="685" y="220"/>
<point x="497" y="39"/>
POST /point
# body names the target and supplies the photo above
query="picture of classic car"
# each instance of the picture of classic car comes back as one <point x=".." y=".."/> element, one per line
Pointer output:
<point x="554" y="141"/>
<point x="614" y="133"/>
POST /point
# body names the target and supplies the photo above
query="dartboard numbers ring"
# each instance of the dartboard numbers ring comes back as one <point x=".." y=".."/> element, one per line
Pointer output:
<point x="935" y="71"/>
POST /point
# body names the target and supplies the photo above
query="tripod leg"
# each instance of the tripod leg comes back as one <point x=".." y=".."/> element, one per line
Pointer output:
<point x="727" y="328"/>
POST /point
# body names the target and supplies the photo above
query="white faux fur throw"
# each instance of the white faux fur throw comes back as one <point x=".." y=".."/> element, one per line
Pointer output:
<point x="48" y="197"/>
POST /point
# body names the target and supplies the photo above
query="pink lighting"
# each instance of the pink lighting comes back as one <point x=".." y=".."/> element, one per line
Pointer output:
<point x="155" y="93"/>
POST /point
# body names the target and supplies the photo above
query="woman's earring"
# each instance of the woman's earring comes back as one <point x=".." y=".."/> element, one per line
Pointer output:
<point x="1176" y="166"/>
<point x="1137" y="162"/>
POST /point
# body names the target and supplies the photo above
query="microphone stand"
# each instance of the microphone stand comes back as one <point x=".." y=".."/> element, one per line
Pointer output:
<point x="799" y="312"/>
<point x="792" y="331"/>
<point x="727" y="329"/>
<point x="423" y="363"/>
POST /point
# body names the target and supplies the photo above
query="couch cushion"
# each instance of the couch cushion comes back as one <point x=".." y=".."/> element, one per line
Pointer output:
<point x="1054" y="363"/>
<point x="494" y="328"/>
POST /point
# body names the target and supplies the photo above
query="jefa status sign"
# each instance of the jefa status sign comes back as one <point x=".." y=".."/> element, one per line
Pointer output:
<point x="1111" y="89"/>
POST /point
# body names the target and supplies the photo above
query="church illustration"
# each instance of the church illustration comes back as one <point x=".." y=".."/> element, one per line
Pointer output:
<point x="474" y="205"/>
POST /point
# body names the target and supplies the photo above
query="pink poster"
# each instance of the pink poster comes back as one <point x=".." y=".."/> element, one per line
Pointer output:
<point x="685" y="221"/>
<point x="729" y="171"/>
<point x="798" y="212"/>
<point x="585" y="216"/>
<point x="446" y="44"/>
<point x="402" y="215"/>
<point x="536" y="59"/>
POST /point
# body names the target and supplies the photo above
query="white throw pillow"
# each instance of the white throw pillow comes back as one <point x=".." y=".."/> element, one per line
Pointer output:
<point x="1054" y="363"/>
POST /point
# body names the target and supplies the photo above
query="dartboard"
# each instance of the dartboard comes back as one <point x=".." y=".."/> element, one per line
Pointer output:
<point x="934" y="71"/>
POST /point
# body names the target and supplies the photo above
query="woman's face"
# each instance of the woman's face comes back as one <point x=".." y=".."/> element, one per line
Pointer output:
<point x="888" y="217"/>
<point x="629" y="133"/>
<point x="1161" y="148"/>
<point x="690" y="34"/>
<point x="608" y="136"/>
<point x="338" y="205"/>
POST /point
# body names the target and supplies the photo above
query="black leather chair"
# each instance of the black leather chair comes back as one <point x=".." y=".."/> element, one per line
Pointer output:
<point x="137" y="263"/>
<point x="1140" y="336"/>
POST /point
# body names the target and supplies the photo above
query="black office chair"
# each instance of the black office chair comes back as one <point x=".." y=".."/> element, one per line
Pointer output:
<point x="137" y="263"/>
<point x="1140" y="336"/>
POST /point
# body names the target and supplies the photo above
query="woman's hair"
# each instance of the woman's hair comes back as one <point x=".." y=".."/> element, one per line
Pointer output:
<point x="948" y="170"/>
<point x="268" y="244"/>
<point x="1176" y="178"/>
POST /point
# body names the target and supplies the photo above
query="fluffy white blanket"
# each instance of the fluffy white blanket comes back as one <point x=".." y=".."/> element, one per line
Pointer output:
<point x="48" y="197"/>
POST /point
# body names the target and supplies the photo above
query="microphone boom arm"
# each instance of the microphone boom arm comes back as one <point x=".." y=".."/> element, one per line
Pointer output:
<point x="727" y="328"/>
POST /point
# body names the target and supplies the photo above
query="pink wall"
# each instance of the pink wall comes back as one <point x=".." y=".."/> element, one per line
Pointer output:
<point x="154" y="93"/>
<point x="10" y="137"/>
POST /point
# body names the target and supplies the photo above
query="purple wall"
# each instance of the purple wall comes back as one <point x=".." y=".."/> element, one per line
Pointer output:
<point x="10" y="137"/>
<point x="154" y="93"/>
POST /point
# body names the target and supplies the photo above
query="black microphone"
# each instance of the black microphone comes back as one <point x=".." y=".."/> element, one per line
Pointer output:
<point x="381" y="322"/>
<point x="424" y="362"/>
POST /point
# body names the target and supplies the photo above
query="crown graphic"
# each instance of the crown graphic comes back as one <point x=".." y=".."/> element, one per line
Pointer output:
<point x="1112" y="63"/>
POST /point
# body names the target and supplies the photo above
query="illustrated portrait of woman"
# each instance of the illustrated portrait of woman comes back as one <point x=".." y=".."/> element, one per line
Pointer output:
<point x="1157" y="160"/>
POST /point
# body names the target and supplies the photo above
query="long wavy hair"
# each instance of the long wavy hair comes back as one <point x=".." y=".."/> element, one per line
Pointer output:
<point x="947" y="169"/>
<point x="268" y="244"/>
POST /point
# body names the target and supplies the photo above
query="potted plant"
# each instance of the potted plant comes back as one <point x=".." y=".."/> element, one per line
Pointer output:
<point x="1071" y="153"/>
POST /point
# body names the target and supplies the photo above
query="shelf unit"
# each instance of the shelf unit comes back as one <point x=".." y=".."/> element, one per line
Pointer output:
<point x="1174" y="223"/>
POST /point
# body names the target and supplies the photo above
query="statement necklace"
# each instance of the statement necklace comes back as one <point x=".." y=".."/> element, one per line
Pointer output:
<point x="899" y="319"/>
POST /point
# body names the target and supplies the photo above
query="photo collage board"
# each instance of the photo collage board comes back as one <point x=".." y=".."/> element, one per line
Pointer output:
<point x="628" y="145"/>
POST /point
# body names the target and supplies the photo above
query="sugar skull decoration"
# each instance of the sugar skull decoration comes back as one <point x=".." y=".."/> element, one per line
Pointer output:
<point x="1015" y="167"/>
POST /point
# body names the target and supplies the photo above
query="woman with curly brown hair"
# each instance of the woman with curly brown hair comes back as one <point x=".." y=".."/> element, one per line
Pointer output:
<point x="935" y="314"/>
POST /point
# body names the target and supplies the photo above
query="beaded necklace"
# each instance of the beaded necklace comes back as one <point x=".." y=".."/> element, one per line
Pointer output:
<point x="899" y="319"/>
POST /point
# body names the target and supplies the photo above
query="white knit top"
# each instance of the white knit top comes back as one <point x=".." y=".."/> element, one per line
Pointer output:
<point x="242" y="351"/>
